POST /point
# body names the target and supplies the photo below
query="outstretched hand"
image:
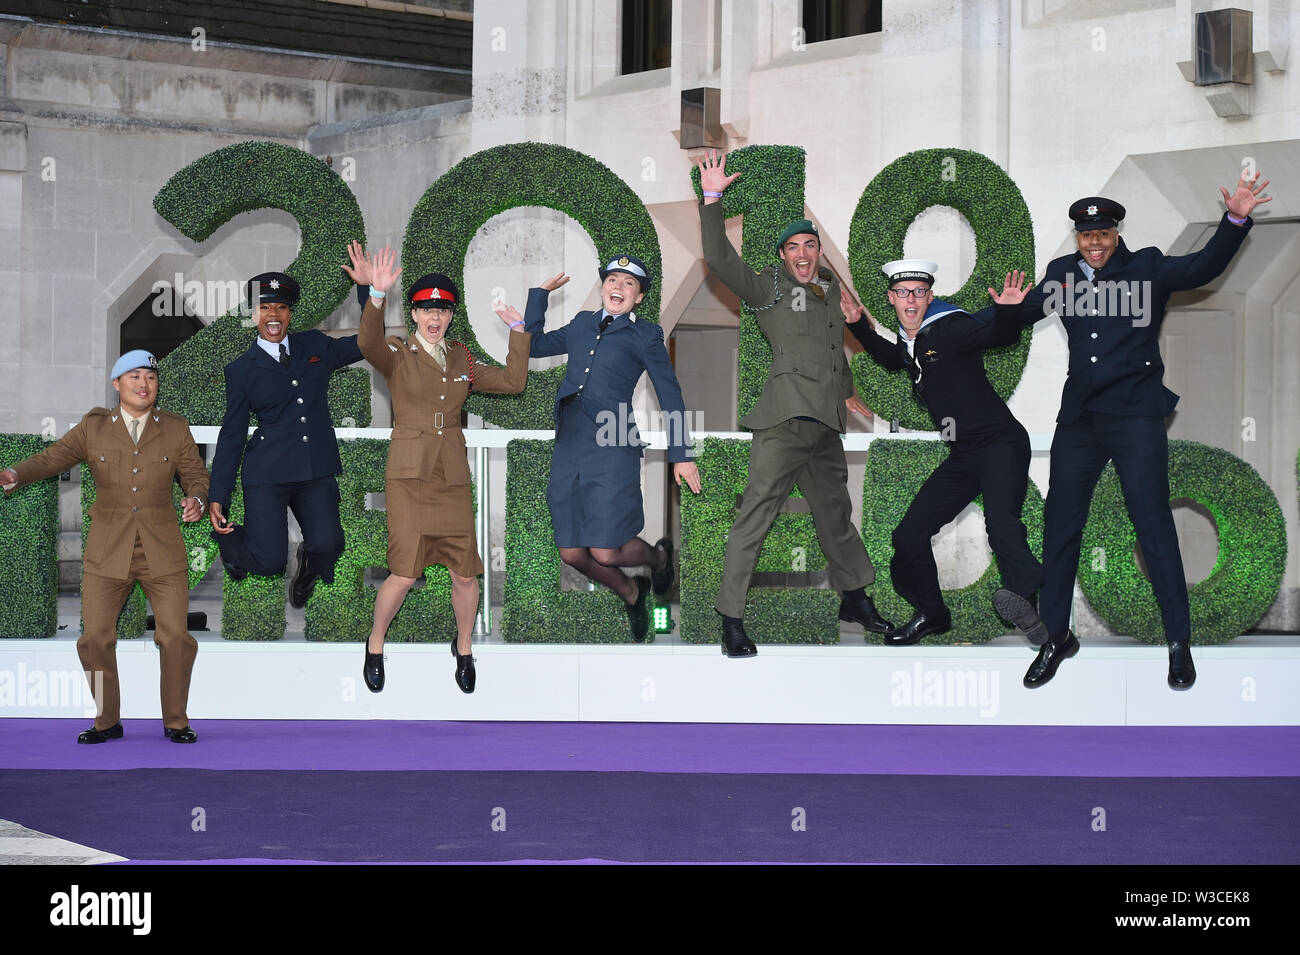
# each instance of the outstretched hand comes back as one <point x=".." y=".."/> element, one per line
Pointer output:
<point x="507" y="313"/>
<point x="555" y="282"/>
<point x="713" y="173"/>
<point x="853" y="312"/>
<point x="1013" y="289"/>
<point x="378" y="271"/>
<point x="1249" y="193"/>
<point x="688" y="472"/>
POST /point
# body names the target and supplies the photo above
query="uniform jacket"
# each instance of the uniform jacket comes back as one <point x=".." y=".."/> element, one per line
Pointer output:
<point x="133" y="487"/>
<point x="1115" y="364"/>
<point x="947" y="368"/>
<point x="604" y="367"/>
<point x="294" y="440"/>
<point x="427" y="400"/>
<point x="809" y="375"/>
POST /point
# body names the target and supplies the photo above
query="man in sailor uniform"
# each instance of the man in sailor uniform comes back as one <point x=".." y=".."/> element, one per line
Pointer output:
<point x="941" y="348"/>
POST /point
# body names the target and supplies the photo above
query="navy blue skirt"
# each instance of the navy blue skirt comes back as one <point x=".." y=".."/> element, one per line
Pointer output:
<point x="594" y="492"/>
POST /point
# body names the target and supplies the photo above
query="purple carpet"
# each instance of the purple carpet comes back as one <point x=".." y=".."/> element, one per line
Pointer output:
<point x="401" y="792"/>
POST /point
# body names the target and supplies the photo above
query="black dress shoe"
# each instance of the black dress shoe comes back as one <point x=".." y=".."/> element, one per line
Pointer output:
<point x="1182" y="674"/>
<point x="465" y="675"/>
<point x="183" y="735"/>
<point x="304" y="581"/>
<point x="1049" y="658"/>
<point x="663" y="579"/>
<point x="918" y="628"/>
<point x="93" y="735"/>
<point x="1022" y="614"/>
<point x="735" y="642"/>
<point x="372" y="671"/>
<point x="639" y="612"/>
<point x="861" y="609"/>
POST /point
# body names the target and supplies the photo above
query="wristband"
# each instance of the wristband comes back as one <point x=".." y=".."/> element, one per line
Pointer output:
<point x="713" y="195"/>
<point x="516" y="324"/>
<point x="1235" y="221"/>
<point x="375" y="293"/>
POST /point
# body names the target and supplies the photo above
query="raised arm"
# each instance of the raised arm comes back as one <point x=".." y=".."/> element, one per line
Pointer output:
<point x="998" y="324"/>
<point x="510" y="379"/>
<point x="882" y="350"/>
<point x="544" y="343"/>
<point x="1181" y="272"/>
<point x="754" y="288"/>
<point x="379" y="273"/>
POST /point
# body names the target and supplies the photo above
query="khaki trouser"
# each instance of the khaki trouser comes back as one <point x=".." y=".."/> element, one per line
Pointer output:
<point x="812" y="454"/>
<point x="101" y="601"/>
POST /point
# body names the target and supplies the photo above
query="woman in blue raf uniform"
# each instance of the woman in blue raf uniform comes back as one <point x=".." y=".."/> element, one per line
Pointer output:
<point x="427" y="490"/>
<point x="594" y="491"/>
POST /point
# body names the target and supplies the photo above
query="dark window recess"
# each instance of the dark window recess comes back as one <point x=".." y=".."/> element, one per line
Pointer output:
<point x="832" y="19"/>
<point x="159" y="324"/>
<point x="647" y="35"/>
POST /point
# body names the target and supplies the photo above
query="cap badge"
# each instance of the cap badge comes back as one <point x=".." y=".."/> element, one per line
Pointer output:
<point x="275" y="283"/>
<point x="1092" y="210"/>
<point x="624" y="260"/>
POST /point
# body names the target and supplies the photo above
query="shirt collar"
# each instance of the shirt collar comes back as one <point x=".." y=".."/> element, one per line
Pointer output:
<point x="273" y="348"/>
<point x="631" y="316"/>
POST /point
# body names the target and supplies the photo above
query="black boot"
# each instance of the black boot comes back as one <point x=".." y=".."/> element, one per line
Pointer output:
<point x="735" y="642"/>
<point x="639" y="613"/>
<point x="1182" y="674"/>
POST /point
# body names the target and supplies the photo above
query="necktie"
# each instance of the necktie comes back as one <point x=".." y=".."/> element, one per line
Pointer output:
<point x="604" y="322"/>
<point x="284" y="354"/>
<point x="135" y="430"/>
<point x="440" y="355"/>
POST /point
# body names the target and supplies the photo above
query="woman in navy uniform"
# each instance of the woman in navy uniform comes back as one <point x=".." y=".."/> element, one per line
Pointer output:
<point x="1112" y="302"/>
<point x="427" y="490"/>
<point x="941" y="347"/>
<point x="594" y="491"/>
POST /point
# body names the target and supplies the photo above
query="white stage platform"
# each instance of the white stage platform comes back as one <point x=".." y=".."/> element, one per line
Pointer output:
<point x="1113" y="681"/>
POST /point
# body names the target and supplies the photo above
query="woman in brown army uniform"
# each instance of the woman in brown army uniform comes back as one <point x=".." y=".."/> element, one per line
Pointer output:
<point x="427" y="484"/>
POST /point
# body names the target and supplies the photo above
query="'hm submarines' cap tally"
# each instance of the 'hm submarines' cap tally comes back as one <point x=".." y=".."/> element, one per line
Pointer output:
<point x="139" y="358"/>
<point x="904" y="270"/>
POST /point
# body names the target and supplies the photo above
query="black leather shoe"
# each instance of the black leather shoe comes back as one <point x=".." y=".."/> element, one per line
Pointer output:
<point x="639" y="612"/>
<point x="234" y="571"/>
<point x="93" y="735"/>
<point x="1182" y="674"/>
<point x="372" y="671"/>
<point x="183" y="735"/>
<point x="1022" y="614"/>
<point x="465" y="674"/>
<point x="918" y="628"/>
<point x="735" y="642"/>
<point x="663" y="579"/>
<point x="862" y="610"/>
<point x="304" y="581"/>
<point x="1049" y="658"/>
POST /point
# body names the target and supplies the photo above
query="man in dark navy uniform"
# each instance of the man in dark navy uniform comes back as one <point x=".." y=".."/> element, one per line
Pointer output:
<point x="1112" y="302"/>
<point x="291" y="459"/>
<point x="941" y="348"/>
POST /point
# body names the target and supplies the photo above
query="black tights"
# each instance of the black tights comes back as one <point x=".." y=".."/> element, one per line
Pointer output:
<point x="601" y="564"/>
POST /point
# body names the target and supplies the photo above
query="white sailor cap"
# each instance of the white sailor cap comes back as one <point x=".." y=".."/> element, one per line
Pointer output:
<point x="902" y="270"/>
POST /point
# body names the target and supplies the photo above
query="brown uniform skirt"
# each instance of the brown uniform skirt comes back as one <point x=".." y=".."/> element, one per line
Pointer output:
<point x="430" y="522"/>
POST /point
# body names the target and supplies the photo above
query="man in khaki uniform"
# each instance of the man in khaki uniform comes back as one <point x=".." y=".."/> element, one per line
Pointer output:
<point x="798" y="420"/>
<point x="135" y="452"/>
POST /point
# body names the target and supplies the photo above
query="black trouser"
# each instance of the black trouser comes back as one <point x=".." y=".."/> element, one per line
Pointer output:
<point x="998" y="468"/>
<point x="1139" y="447"/>
<point x="261" y="544"/>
